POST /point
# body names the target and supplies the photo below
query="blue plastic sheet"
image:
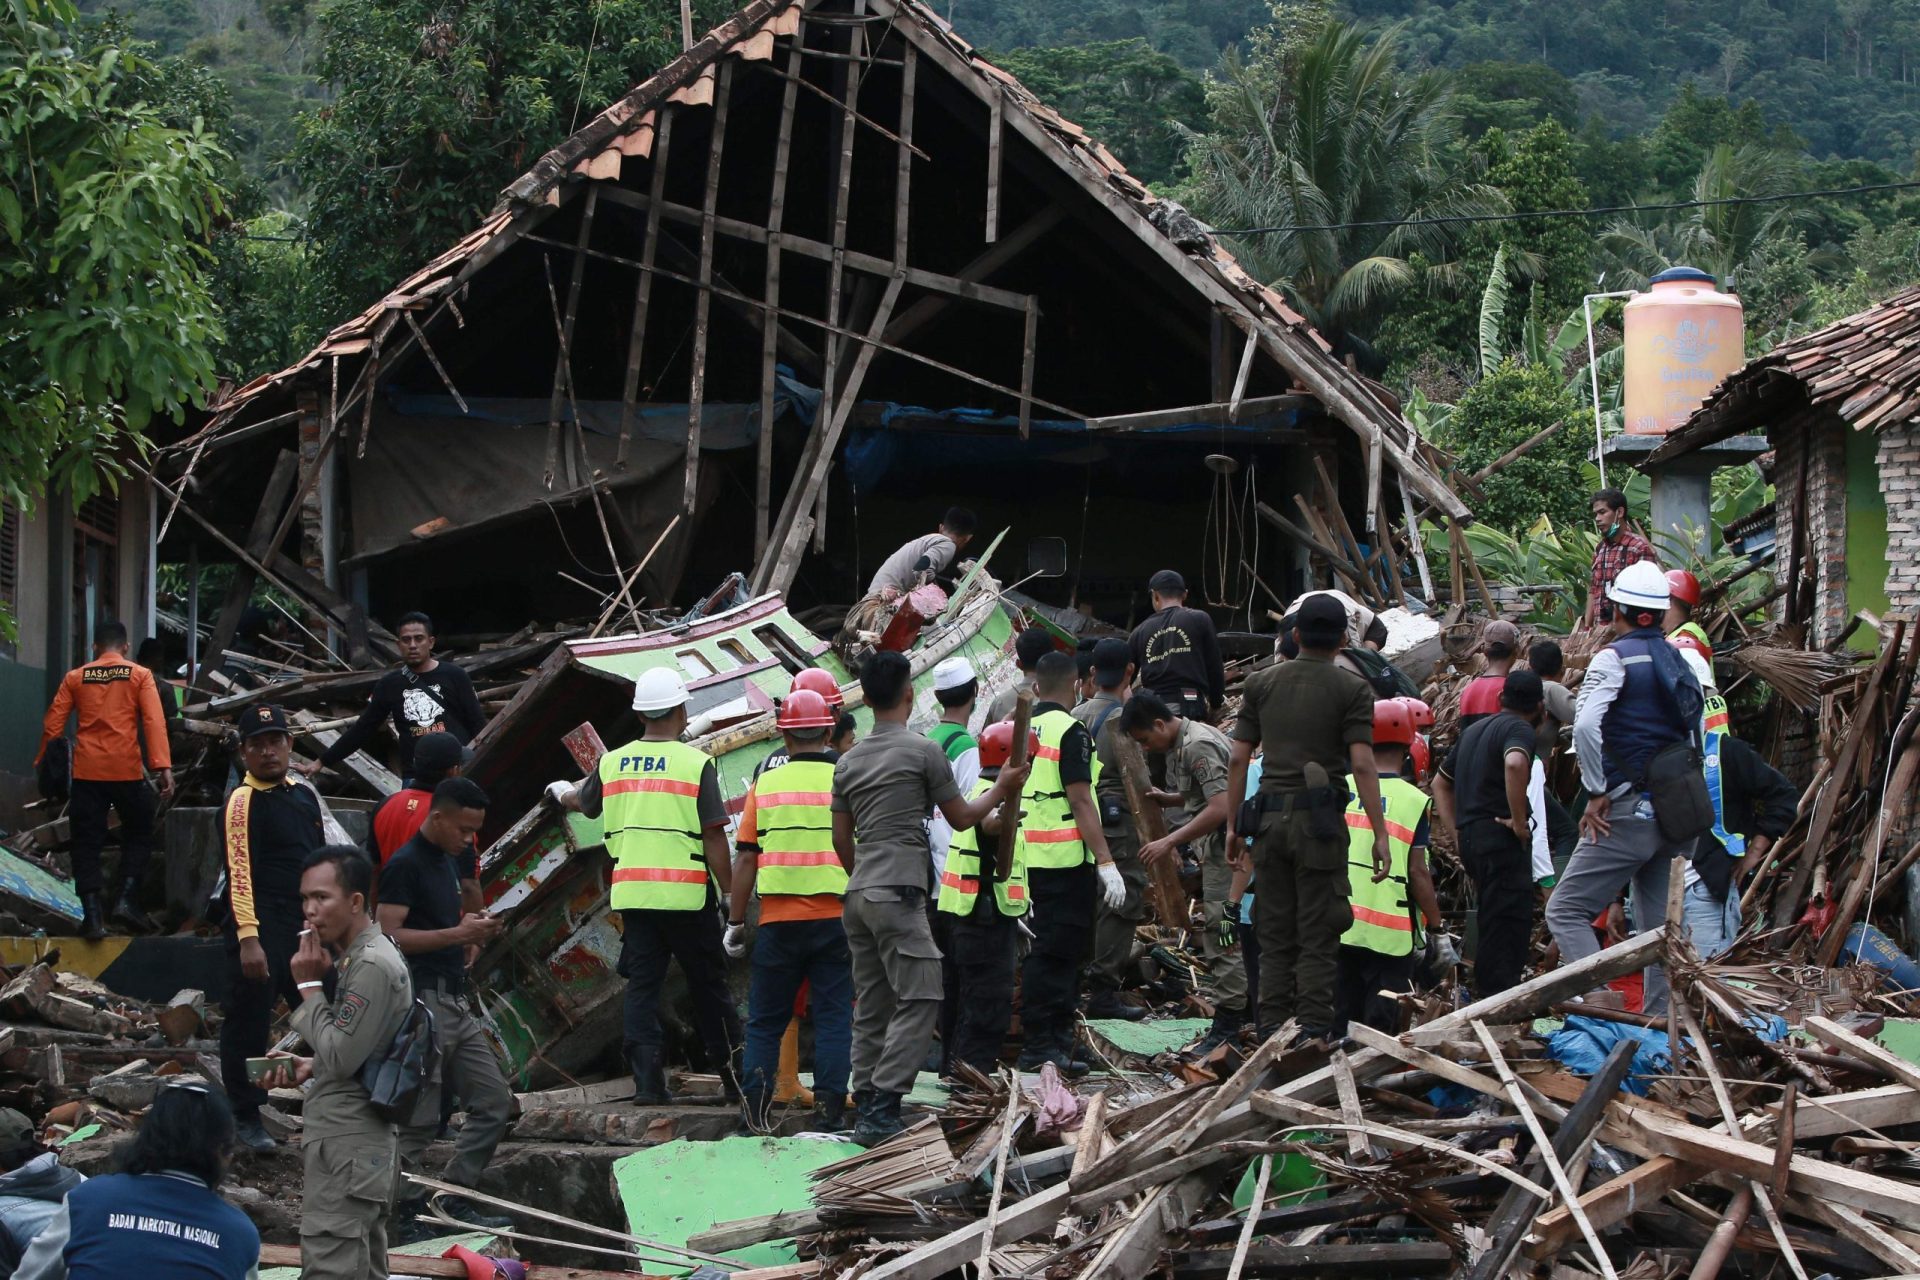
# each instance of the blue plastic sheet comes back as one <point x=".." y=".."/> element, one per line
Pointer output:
<point x="1583" y="1044"/>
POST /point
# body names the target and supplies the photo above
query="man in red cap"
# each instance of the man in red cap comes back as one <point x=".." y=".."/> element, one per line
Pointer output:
<point x="1500" y="644"/>
<point x="1683" y="597"/>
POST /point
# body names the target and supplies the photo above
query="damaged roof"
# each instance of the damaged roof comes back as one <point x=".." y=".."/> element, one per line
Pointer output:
<point x="625" y="128"/>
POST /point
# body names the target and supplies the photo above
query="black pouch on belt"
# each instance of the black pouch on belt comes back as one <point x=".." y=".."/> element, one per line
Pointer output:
<point x="1252" y="809"/>
<point x="1326" y="803"/>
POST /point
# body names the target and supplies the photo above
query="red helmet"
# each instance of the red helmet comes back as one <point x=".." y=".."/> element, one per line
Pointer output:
<point x="1684" y="587"/>
<point x="1418" y="711"/>
<point x="820" y="682"/>
<point x="996" y="744"/>
<point x="1686" y="640"/>
<point x="1422" y="758"/>
<point x="1392" y="724"/>
<point x="804" y="709"/>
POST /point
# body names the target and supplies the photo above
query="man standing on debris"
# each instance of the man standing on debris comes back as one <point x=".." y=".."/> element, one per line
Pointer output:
<point x="1069" y="870"/>
<point x="820" y="681"/>
<point x="956" y="689"/>
<point x="1314" y="722"/>
<point x="925" y="557"/>
<point x="1114" y="927"/>
<point x="784" y="849"/>
<point x="348" y="1150"/>
<point x="271" y="825"/>
<point x="883" y="790"/>
<point x="1619" y="547"/>
<point x="1198" y="756"/>
<point x="421" y="696"/>
<point x="422" y="910"/>
<point x="1029" y="647"/>
<point x="1638" y="702"/>
<point x="116" y="707"/>
<point x="666" y="827"/>
<point x="1480" y="698"/>
<point x="1177" y="653"/>
<point x="437" y="757"/>
<point x="1483" y="792"/>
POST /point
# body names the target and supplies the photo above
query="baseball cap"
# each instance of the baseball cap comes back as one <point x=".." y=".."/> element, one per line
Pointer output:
<point x="16" y="1130"/>
<point x="1502" y="632"/>
<point x="435" y="753"/>
<point x="1320" y="618"/>
<point x="953" y="673"/>
<point x="1523" y="690"/>
<point x="263" y="719"/>
<point x="1111" y="656"/>
<point x="1167" y="582"/>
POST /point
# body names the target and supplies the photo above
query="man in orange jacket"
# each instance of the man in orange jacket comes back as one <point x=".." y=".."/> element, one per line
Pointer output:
<point x="116" y="705"/>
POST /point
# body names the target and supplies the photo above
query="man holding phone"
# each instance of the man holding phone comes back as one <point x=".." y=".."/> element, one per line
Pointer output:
<point x="270" y="825"/>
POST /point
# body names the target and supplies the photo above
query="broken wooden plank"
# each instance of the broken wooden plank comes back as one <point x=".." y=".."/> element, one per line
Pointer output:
<point x="937" y="1257"/>
<point x="1411" y="1258"/>
<point x="1841" y="1040"/>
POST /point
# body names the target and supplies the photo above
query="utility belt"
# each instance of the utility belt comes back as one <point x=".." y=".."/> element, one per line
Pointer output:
<point x="1325" y="808"/>
<point x="453" y="989"/>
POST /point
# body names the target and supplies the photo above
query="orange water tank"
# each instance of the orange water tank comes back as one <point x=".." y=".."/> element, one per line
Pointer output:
<point x="1682" y="337"/>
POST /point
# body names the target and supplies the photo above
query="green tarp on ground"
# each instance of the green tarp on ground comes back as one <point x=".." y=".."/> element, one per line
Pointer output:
<point x="1149" y="1038"/>
<point x="681" y="1188"/>
<point x="1902" y="1036"/>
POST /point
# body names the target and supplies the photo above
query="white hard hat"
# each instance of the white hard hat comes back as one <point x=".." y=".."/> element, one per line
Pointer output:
<point x="1641" y="585"/>
<point x="1701" y="668"/>
<point x="658" y="691"/>
<point x="955" y="673"/>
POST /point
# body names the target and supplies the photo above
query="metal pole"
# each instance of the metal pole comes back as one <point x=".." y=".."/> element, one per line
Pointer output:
<point x="1593" y="375"/>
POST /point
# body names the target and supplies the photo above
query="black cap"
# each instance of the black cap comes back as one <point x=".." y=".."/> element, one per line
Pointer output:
<point x="435" y="753"/>
<point x="1523" y="690"/>
<point x="1321" y="619"/>
<point x="1111" y="656"/>
<point x="1167" y="582"/>
<point x="263" y="719"/>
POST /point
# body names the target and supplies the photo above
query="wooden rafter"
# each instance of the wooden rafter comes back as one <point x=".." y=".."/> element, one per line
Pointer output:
<point x="703" y="301"/>
<point x="643" y="288"/>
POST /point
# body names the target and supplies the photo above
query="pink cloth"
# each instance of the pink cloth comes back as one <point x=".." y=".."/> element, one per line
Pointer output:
<point x="1059" y="1108"/>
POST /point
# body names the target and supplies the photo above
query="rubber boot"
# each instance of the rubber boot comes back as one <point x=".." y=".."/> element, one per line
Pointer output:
<point x="127" y="913"/>
<point x="829" y="1114"/>
<point x="649" y="1078"/>
<point x="1225" y="1030"/>
<point x="93" y="923"/>
<point x="879" y="1121"/>
<point x="786" y="1084"/>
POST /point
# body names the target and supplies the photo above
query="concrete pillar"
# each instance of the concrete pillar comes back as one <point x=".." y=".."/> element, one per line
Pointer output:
<point x="1681" y="521"/>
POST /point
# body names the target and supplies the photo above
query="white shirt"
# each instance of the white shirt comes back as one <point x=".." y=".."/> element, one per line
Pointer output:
<point x="966" y="774"/>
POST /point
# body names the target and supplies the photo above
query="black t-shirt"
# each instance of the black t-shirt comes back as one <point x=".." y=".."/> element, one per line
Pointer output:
<point x="1478" y="765"/>
<point x="1177" y="649"/>
<point x="426" y="882"/>
<point x="283" y="827"/>
<point x="440" y="701"/>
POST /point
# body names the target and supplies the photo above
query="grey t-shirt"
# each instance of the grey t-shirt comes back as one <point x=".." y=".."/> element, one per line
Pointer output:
<point x="898" y="571"/>
<point x="891" y="782"/>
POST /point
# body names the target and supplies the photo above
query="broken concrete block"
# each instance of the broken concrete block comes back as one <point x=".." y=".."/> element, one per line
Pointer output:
<point x="131" y="1088"/>
<point x="183" y="1016"/>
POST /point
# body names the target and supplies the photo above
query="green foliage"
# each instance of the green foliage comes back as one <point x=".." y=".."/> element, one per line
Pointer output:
<point x="1513" y="96"/>
<point x="1193" y="32"/>
<point x="1511" y="403"/>
<point x="259" y="280"/>
<point x="1134" y="100"/>
<point x="105" y="318"/>
<point x="437" y="108"/>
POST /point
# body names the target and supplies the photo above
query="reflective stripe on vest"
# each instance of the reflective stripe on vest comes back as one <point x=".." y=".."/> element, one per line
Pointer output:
<point x="1713" y="725"/>
<point x="1049" y="831"/>
<point x="793" y="817"/>
<point x="650" y="798"/>
<point x="960" y="882"/>
<point x="1382" y="918"/>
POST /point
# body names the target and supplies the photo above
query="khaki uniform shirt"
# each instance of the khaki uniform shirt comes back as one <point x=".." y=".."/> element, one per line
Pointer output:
<point x="1197" y="763"/>
<point x="1301" y="712"/>
<point x="372" y="997"/>
<point x="891" y="782"/>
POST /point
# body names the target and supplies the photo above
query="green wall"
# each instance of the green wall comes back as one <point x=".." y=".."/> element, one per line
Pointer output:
<point x="1866" y="535"/>
<point x="23" y="702"/>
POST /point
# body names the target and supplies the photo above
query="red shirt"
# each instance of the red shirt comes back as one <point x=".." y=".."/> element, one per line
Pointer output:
<point x="400" y="817"/>
<point x="1481" y="697"/>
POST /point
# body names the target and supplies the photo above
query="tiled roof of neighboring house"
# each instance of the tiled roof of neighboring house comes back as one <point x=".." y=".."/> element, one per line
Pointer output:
<point x="1865" y="369"/>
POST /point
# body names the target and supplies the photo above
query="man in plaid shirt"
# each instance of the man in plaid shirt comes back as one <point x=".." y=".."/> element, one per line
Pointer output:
<point x="1619" y="547"/>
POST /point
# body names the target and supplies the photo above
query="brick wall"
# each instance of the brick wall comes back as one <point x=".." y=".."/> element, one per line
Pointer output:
<point x="1898" y="455"/>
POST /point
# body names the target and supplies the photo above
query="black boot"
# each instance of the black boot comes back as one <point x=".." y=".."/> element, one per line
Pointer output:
<point x="457" y="1206"/>
<point x="132" y="916"/>
<point x="1226" y="1028"/>
<point x="829" y="1112"/>
<point x="1109" y="1005"/>
<point x="649" y="1078"/>
<point x="93" y="924"/>
<point x="879" y="1121"/>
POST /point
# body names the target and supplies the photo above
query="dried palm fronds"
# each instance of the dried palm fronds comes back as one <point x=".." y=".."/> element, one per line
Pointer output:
<point x="870" y="1182"/>
<point x="1795" y="674"/>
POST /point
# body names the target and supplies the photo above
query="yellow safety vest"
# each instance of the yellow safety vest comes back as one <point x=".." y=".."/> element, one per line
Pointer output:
<point x="1382" y="919"/>
<point x="1050" y="837"/>
<point x="1693" y="629"/>
<point x="650" y="809"/>
<point x="793" y="816"/>
<point x="960" y="882"/>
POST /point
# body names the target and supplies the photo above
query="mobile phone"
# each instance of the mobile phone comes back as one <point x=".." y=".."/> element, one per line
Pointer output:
<point x="257" y="1068"/>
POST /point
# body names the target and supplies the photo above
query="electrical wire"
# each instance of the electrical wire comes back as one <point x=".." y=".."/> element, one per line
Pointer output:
<point x="1666" y="206"/>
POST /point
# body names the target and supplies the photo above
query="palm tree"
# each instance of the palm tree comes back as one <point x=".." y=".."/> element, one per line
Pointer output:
<point x="1718" y="238"/>
<point x="1329" y="137"/>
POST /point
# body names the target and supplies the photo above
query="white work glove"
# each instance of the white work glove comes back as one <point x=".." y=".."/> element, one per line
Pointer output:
<point x="1112" y="887"/>
<point x="735" y="941"/>
<point x="559" y="791"/>
<point x="1443" y="952"/>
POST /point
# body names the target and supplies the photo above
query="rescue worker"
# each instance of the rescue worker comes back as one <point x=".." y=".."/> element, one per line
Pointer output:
<point x="956" y="689"/>
<point x="924" y="558"/>
<point x="161" y="1213"/>
<point x="1113" y="927"/>
<point x="117" y="710"/>
<point x="1377" y="950"/>
<point x="1314" y="722"/>
<point x="1177" y="653"/>
<point x="659" y="801"/>
<point x="821" y="682"/>
<point x="981" y="923"/>
<point x="271" y="825"/>
<point x="422" y="909"/>
<point x="1029" y="647"/>
<point x="1197" y="759"/>
<point x="1683" y="597"/>
<point x="783" y="848"/>
<point x="1637" y="699"/>
<point x="1069" y="870"/>
<point x="349" y="1152"/>
<point x="883" y="790"/>
<point x="1480" y="696"/>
